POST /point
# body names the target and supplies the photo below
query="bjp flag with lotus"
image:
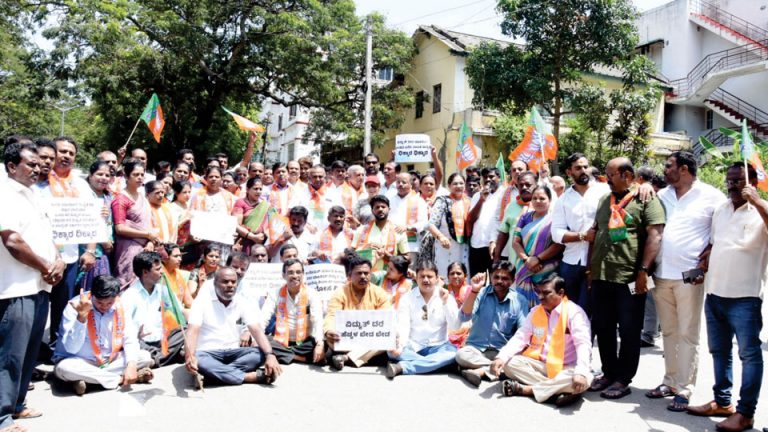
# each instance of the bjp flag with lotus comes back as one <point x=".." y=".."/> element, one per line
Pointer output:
<point x="153" y="117"/>
<point x="538" y="145"/>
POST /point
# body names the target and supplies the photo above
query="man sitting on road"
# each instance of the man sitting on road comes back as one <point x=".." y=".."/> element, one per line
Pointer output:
<point x="357" y="294"/>
<point x="550" y="354"/>
<point x="97" y="341"/>
<point x="298" y="314"/>
<point x="424" y="317"/>
<point x="213" y="337"/>
<point x="496" y="311"/>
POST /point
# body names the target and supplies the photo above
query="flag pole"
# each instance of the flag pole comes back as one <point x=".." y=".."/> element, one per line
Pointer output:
<point x="198" y="378"/>
<point x="131" y="135"/>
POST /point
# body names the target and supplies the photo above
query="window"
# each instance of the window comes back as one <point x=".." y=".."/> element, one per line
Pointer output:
<point x="292" y="111"/>
<point x="419" y="104"/>
<point x="385" y="74"/>
<point x="280" y="122"/>
<point x="437" y="93"/>
<point x="708" y="119"/>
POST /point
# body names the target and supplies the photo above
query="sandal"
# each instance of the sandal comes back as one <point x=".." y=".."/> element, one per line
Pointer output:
<point x="26" y="413"/>
<point x="144" y="376"/>
<point x="14" y="428"/>
<point x="678" y="404"/>
<point x="659" y="392"/>
<point x="600" y="384"/>
<point x="511" y="388"/>
<point x="615" y="391"/>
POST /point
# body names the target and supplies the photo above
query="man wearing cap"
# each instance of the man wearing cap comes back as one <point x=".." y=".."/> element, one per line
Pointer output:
<point x="362" y="213"/>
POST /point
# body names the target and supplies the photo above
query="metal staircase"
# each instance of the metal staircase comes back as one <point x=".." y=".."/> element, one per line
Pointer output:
<point x="725" y="24"/>
<point x="735" y="109"/>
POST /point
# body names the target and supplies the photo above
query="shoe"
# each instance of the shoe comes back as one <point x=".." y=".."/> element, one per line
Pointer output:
<point x="337" y="361"/>
<point x="737" y="422"/>
<point x="678" y="404"/>
<point x="393" y="370"/>
<point x="473" y="376"/>
<point x="79" y="387"/>
<point x="565" y="399"/>
<point x="198" y="381"/>
<point x="31" y="387"/>
<point x="644" y="344"/>
<point x="711" y="409"/>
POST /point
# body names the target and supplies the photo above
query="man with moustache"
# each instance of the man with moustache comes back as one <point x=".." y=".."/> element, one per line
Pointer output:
<point x="295" y="234"/>
<point x="410" y="214"/>
<point x="334" y="239"/>
<point x="572" y="218"/>
<point x="30" y="265"/>
<point x="483" y="222"/>
<point x="357" y="294"/>
<point x="390" y="172"/>
<point x="373" y="166"/>
<point x="188" y="157"/>
<point x="298" y="313"/>
<point x="627" y="240"/>
<point x="255" y="169"/>
<point x="46" y="153"/>
<point x="320" y="198"/>
<point x="526" y="182"/>
<point x="213" y="338"/>
<point x="737" y="274"/>
<point x="689" y="205"/>
<point x="380" y="235"/>
<point x="294" y="177"/>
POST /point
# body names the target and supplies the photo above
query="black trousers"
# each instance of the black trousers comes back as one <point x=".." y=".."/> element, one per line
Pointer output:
<point x="175" y="347"/>
<point x="479" y="260"/>
<point x="286" y="354"/>
<point x="613" y="305"/>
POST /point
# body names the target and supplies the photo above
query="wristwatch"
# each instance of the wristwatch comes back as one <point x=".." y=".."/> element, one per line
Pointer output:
<point x="643" y="269"/>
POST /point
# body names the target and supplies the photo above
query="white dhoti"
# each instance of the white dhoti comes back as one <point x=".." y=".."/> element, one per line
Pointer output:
<point x="110" y="376"/>
<point x="534" y="373"/>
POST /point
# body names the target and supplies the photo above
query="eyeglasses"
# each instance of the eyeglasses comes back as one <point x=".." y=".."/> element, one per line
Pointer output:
<point x="734" y="182"/>
<point x="426" y="313"/>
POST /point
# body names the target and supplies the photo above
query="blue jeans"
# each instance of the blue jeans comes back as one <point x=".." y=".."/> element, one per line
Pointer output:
<point x="576" y="284"/>
<point x="426" y="359"/>
<point x="650" y="321"/>
<point x="22" y="324"/>
<point x="229" y="366"/>
<point x="727" y="317"/>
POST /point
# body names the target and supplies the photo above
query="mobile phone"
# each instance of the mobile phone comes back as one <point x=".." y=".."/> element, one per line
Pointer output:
<point x="690" y="276"/>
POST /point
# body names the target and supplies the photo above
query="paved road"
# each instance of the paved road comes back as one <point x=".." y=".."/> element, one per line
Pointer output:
<point x="310" y="398"/>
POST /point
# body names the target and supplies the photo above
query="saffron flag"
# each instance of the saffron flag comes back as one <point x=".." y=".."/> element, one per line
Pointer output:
<point x="753" y="157"/>
<point x="245" y="124"/>
<point x="171" y="312"/>
<point x="538" y="145"/>
<point x="502" y="170"/>
<point x="466" y="152"/>
<point x="153" y="117"/>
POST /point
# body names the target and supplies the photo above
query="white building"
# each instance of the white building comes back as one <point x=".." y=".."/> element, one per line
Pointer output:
<point x="715" y="55"/>
<point x="285" y="131"/>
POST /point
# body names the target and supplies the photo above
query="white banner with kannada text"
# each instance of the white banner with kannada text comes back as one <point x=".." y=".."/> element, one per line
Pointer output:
<point x="77" y="221"/>
<point x="366" y="330"/>
<point x="411" y="148"/>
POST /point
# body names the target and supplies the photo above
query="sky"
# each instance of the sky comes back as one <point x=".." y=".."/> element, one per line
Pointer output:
<point x="477" y="17"/>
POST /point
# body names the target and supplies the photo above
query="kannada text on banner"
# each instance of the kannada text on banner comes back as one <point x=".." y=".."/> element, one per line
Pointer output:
<point x="365" y="329"/>
<point x="325" y="279"/>
<point x="260" y="279"/>
<point x="413" y="148"/>
<point x="77" y="221"/>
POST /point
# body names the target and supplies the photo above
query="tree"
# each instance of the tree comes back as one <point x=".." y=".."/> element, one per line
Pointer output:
<point x="509" y="129"/>
<point x="337" y="129"/>
<point x="200" y="55"/>
<point x="563" y="39"/>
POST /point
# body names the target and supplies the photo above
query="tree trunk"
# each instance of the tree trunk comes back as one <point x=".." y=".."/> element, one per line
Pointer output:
<point x="556" y="123"/>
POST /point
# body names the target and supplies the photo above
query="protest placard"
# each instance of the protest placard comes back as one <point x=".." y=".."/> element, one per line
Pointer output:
<point x="365" y="329"/>
<point x="325" y="278"/>
<point x="215" y="227"/>
<point x="77" y="221"/>
<point x="413" y="148"/>
<point x="260" y="279"/>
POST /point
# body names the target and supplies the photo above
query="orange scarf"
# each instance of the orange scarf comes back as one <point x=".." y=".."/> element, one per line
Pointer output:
<point x="396" y="290"/>
<point x="118" y="332"/>
<point x="164" y="231"/>
<point x="61" y="187"/>
<point x="556" y="349"/>
<point x="281" y="318"/>
<point x="326" y="240"/>
<point x="178" y="284"/>
<point x="459" y="213"/>
<point x="200" y="203"/>
<point x="617" y="224"/>
<point x="505" y="200"/>
<point x="348" y="196"/>
<point x="281" y="201"/>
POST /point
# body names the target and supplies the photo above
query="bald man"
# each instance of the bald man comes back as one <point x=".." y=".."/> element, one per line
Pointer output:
<point x="558" y="184"/>
<point x="141" y="155"/>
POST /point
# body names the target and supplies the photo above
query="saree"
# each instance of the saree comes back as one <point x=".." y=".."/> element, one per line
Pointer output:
<point x="536" y="237"/>
<point x="137" y="216"/>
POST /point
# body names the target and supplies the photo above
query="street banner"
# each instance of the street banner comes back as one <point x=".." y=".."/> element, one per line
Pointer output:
<point x="411" y="148"/>
<point x="77" y="221"/>
<point x="260" y="279"/>
<point x="325" y="279"/>
<point x="215" y="227"/>
<point x="365" y="330"/>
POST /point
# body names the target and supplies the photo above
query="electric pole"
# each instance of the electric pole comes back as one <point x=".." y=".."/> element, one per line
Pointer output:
<point x="368" y="85"/>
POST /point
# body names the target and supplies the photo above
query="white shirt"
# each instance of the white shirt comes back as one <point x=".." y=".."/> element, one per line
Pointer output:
<point x="305" y="243"/>
<point x="219" y="324"/>
<point x="418" y="333"/>
<point x="575" y="212"/>
<point x="738" y="264"/>
<point x="144" y="309"/>
<point x="23" y="213"/>
<point x="315" y="313"/>
<point x="686" y="233"/>
<point x="398" y="214"/>
<point x="487" y="223"/>
<point x="318" y="217"/>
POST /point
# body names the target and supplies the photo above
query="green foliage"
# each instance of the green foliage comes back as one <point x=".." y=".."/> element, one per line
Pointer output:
<point x="564" y="39"/>
<point x="338" y="128"/>
<point x="509" y="129"/>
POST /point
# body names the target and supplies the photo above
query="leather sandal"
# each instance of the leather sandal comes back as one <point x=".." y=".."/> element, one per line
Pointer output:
<point x="26" y="413"/>
<point x="659" y="392"/>
<point x="511" y="388"/>
<point x="600" y="384"/>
